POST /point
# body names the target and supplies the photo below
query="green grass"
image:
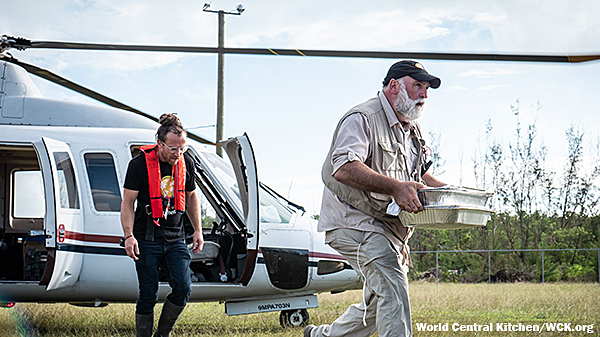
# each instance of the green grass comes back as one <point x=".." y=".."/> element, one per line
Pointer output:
<point x="526" y="303"/>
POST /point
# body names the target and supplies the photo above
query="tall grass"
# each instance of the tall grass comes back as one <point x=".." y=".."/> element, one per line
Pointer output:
<point x="526" y="303"/>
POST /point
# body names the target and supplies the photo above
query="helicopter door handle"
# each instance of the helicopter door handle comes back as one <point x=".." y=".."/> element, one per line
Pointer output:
<point x="61" y="233"/>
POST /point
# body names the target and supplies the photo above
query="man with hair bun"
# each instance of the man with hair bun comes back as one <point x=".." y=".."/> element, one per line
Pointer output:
<point x="161" y="179"/>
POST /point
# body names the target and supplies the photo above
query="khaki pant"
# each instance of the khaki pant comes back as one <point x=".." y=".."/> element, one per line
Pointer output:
<point x="385" y="307"/>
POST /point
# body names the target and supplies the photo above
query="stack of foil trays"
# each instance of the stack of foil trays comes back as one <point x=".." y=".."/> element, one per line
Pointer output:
<point x="449" y="207"/>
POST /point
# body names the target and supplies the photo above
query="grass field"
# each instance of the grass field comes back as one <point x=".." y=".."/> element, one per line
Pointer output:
<point x="465" y="304"/>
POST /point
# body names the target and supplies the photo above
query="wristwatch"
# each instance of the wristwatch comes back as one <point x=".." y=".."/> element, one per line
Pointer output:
<point x="123" y="239"/>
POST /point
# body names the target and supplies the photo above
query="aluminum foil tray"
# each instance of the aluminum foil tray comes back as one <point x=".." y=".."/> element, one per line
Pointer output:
<point x="452" y="196"/>
<point x="446" y="217"/>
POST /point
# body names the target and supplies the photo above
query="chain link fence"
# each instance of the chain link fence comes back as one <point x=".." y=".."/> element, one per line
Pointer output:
<point x="507" y="265"/>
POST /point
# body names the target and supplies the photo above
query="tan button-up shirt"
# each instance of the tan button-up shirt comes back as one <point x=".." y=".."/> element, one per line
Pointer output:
<point x="353" y="143"/>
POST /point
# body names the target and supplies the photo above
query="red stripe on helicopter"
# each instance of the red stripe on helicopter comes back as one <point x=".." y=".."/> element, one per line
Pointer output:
<point x="116" y="239"/>
<point x="320" y="255"/>
<point x="92" y="237"/>
<point x="326" y="256"/>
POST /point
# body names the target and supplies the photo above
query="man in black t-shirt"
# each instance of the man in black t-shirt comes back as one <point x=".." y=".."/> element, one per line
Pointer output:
<point x="171" y="228"/>
<point x="161" y="179"/>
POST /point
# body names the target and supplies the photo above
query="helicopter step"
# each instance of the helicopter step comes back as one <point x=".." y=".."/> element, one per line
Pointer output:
<point x="271" y="304"/>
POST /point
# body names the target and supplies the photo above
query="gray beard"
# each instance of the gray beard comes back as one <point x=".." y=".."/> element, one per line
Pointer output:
<point x="407" y="107"/>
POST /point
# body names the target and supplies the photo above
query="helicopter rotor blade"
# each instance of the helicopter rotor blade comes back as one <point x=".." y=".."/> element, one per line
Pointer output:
<point x="52" y="77"/>
<point x="417" y="55"/>
<point x="21" y="44"/>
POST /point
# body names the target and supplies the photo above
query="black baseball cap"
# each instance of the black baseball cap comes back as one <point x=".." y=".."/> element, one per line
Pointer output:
<point x="413" y="69"/>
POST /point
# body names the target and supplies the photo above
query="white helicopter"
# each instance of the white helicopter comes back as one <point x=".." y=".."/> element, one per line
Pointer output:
<point x="62" y="166"/>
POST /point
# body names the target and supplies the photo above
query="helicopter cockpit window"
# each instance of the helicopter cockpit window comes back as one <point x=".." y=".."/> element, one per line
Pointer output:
<point x="28" y="194"/>
<point x="67" y="186"/>
<point x="102" y="177"/>
<point x="271" y="210"/>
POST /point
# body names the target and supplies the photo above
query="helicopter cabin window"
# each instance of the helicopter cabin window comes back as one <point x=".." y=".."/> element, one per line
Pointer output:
<point x="28" y="194"/>
<point x="67" y="185"/>
<point x="135" y="150"/>
<point x="104" y="184"/>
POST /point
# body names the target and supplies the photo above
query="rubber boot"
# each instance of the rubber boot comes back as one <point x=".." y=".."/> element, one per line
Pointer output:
<point x="168" y="317"/>
<point x="143" y="325"/>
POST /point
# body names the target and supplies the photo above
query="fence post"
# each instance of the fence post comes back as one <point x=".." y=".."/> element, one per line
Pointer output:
<point x="598" y="266"/>
<point x="543" y="269"/>
<point x="437" y="266"/>
<point x="489" y="267"/>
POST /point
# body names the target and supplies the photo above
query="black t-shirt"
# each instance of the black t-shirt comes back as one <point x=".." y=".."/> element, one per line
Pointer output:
<point x="171" y="229"/>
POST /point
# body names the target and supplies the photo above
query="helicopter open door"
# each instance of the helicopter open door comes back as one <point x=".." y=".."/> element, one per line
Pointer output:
<point x="69" y="216"/>
<point x="241" y="155"/>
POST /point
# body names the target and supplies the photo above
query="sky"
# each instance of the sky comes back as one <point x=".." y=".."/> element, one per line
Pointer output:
<point x="289" y="106"/>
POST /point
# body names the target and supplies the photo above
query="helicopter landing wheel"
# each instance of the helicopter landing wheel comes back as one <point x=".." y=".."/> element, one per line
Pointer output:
<point x="293" y="318"/>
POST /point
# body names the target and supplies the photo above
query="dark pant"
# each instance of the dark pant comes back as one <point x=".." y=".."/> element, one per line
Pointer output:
<point x="174" y="258"/>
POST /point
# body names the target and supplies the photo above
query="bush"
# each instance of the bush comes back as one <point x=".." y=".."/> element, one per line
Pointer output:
<point x="579" y="273"/>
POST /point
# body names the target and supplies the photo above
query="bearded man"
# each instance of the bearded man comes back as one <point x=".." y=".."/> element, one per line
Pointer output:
<point x="377" y="157"/>
<point x="161" y="180"/>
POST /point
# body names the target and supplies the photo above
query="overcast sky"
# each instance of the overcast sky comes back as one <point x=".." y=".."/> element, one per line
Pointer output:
<point x="289" y="106"/>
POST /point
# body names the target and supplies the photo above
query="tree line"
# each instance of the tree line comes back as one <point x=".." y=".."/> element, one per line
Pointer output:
<point x="535" y="206"/>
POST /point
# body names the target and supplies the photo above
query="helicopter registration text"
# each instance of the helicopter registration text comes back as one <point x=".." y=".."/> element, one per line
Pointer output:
<point x="274" y="306"/>
<point x="271" y="304"/>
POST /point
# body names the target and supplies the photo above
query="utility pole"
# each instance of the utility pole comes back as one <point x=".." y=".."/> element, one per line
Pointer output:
<point x="221" y="70"/>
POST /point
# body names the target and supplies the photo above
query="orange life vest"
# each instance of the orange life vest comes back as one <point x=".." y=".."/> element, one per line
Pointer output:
<point x="154" y="178"/>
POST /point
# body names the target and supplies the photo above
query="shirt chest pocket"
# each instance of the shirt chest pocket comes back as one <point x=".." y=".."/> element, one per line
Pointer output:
<point x="391" y="157"/>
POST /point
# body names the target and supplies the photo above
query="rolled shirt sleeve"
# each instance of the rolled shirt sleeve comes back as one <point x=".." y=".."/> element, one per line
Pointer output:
<point x="352" y="142"/>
